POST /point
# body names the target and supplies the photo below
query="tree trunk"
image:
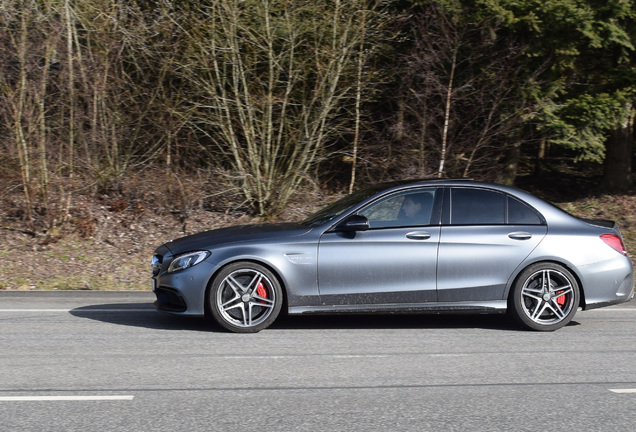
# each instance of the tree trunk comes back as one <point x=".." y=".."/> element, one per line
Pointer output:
<point x="617" y="175"/>
<point x="356" y="135"/>
<point x="449" y="94"/>
<point x="510" y="165"/>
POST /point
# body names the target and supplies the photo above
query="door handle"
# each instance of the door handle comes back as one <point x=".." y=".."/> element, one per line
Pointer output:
<point x="520" y="236"/>
<point x="418" y="235"/>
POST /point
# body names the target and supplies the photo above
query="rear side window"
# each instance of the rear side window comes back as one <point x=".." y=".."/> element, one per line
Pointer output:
<point x="487" y="207"/>
<point x="521" y="214"/>
<point x="477" y="207"/>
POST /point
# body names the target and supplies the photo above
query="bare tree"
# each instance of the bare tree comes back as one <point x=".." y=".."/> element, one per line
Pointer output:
<point x="456" y="102"/>
<point x="276" y="81"/>
<point x="28" y="52"/>
<point x="87" y="91"/>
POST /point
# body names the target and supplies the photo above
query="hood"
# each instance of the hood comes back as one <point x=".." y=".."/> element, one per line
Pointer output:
<point x="208" y="239"/>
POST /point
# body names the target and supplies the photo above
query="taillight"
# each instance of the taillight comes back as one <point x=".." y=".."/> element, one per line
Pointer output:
<point x="615" y="242"/>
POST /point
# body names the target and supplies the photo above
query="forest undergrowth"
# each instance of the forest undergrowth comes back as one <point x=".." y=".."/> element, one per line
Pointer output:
<point x="109" y="237"/>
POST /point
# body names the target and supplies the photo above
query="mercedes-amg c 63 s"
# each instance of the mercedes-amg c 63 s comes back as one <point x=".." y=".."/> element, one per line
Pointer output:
<point x="413" y="247"/>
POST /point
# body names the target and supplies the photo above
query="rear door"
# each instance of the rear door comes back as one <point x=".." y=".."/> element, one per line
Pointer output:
<point x="485" y="236"/>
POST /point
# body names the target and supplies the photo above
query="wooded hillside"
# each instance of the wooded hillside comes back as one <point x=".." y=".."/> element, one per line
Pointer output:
<point x="240" y="104"/>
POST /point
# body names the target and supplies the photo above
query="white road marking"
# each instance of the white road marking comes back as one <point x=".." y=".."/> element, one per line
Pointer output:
<point x="615" y="309"/>
<point x="332" y="356"/>
<point x="63" y="398"/>
<point x="78" y="309"/>
<point x="623" y="390"/>
<point x="87" y="309"/>
<point x="297" y="356"/>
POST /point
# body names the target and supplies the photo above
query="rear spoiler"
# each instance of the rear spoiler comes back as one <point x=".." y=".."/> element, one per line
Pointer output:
<point x="602" y="223"/>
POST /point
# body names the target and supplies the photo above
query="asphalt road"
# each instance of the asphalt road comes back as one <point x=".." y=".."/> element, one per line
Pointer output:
<point x="106" y="361"/>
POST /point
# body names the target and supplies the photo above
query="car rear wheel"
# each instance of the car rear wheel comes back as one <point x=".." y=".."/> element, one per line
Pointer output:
<point x="245" y="297"/>
<point x="545" y="297"/>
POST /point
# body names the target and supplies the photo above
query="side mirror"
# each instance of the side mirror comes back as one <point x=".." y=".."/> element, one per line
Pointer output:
<point x="353" y="223"/>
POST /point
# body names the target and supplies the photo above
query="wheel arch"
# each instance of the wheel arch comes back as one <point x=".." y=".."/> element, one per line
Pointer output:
<point x="567" y="266"/>
<point x="268" y="266"/>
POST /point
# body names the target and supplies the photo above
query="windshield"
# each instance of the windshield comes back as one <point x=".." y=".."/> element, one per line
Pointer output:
<point x="339" y="207"/>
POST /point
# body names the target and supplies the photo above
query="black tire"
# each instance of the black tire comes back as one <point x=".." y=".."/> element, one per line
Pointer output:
<point x="245" y="297"/>
<point x="545" y="297"/>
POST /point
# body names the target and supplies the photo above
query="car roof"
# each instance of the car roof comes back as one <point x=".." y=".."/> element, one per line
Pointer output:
<point x="548" y="210"/>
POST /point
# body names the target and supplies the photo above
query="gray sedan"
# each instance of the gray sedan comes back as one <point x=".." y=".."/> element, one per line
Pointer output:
<point x="412" y="247"/>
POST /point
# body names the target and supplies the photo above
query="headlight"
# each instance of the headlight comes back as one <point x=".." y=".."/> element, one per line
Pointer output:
<point x="187" y="260"/>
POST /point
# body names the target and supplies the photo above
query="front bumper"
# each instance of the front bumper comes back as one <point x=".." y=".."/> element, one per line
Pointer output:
<point x="184" y="291"/>
<point x="170" y="300"/>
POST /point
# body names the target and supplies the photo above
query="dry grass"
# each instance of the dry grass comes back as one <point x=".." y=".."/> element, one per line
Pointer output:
<point x="619" y="208"/>
<point x="110" y="234"/>
<point x="110" y="239"/>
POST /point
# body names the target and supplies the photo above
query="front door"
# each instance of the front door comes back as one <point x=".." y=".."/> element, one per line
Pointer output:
<point x="393" y="262"/>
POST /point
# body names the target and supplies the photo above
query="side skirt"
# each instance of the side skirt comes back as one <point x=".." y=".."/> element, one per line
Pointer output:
<point x="498" y="306"/>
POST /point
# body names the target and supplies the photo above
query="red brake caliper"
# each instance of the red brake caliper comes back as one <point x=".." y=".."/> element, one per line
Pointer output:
<point x="261" y="291"/>
<point x="560" y="299"/>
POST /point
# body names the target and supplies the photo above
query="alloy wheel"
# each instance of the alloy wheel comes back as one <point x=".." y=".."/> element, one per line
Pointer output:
<point x="246" y="298"/>
<point x="547" y="297"/>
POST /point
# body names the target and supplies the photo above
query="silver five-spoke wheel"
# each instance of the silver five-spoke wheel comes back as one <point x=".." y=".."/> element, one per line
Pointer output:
<point x="545" y="297"/>
<point x="245" y="297"/>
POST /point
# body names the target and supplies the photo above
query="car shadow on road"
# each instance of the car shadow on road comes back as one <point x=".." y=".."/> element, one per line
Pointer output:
<point x="144" y="315"/>
<point x="141" y="315"/>
<point x="500" y="322"/>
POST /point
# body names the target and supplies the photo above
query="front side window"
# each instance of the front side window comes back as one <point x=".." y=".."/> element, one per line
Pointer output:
<point x="335" y="209"/>
<point x="412" y="208"/>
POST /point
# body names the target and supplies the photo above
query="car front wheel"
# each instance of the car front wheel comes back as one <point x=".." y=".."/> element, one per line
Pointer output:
<point x="245" y="297"/>
<point x="545" y="297"/>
